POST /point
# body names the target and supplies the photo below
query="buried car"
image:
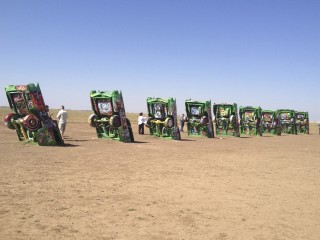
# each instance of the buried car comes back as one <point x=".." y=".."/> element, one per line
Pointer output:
<point x="162" y="118"/>
<point x="287" y="119"/>
<point x="302" y="122"/>
<point x="31" y="119"/>
<point x="226" y="119"/>
<point x="109" y="118"/>
<point x="199" y="118"/>
<point x="250" y="120"/>
<point x="270" y="122"/>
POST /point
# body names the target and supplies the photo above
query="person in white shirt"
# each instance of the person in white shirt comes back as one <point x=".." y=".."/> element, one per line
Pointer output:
<point x="62" y="117"/>
<point x="141" y="121"/>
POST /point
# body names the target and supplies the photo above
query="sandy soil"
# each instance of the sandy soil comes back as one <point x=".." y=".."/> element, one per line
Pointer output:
<point x="197" y="188"/>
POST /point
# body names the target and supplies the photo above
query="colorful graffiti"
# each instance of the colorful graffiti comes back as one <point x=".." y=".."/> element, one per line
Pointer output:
<point x="302" y="122"/>
<point x="199" y="118"/>
<point x="30" y="118"/>
<point x="226" y="119"/>
<point x="162" y="118"/>
<point x="250" y="120"/>
<point x="287" y="119"/>
<point x="109" y="118"/>
<point x="270" y="122"/>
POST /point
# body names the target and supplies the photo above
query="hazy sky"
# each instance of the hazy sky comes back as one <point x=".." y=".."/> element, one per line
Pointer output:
<point x="259" y="53"/>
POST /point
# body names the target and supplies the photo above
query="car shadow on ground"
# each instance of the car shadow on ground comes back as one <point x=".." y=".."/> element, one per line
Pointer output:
<point x="76" y="140"/>
<point x="70" y="145"/>
<point x="139" y="142"/>
<point x="245" y="137"/>
<point x="187" y="140"/>
<point x="70" y="139"/>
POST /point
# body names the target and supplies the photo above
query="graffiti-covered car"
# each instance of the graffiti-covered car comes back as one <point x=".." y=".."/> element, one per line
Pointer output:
<point x="162" y="118"/>
<point x="109" y="118"/>
<point x="250" y="120"/>
<point x="287" y="121"/>
<point x="270" y="122"/>
<point x="199" y="118"/>
<point x="302" y="122"/>
<point x="226" y="119"/>
<point x="30" y="118"/>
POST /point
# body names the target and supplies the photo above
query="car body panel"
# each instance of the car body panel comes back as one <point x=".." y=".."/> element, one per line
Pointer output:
<point x="226" y="119"/>
<point x="287" y="121"/>
<point x="270" y="122"/>
<point x="109" y="116"/>
<point x="250" y="120"/>
<point x="302" y="122"/>
<point x="199" y="118"/>
<point x="31" y="119"/>
<point x="162" y="118"/>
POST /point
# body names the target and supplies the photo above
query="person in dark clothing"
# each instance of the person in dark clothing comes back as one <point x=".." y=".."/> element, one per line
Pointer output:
<point x="182" y="120"/>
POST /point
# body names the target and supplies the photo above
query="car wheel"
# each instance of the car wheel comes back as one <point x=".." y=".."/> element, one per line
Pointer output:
<point x="31" y="122"/>
<point x="92" y="120"/>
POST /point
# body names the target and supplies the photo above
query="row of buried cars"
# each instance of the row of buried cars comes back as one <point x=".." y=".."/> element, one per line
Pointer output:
<point x="31" y="120"/>
<point x="110" y="121"/>
<point x="225" y="120"/>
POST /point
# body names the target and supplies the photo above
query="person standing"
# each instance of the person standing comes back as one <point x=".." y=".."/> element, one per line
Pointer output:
<point x="182" y="120"/>
<point x="141" y="121"/>
<point x="62" y="118"/>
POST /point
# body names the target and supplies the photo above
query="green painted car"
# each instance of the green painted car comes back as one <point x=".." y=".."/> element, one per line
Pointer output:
<point x="302" y="122"/>
<point x="31" y="119"/>
<point x="109" y="118"/>
<point x="270" y="122"/>
<point x="287" y="121"/>
<point x="199" y="118"/>
<point x="250" y="120"/>
<point x="226" y="119"/>
<point x="162" y="118"/>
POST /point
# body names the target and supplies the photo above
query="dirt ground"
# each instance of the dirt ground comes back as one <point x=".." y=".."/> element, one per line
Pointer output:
<point x="197" y="188"/>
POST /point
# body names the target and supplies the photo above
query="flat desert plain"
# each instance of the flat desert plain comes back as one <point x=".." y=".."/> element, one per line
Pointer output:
<point x="197" y="188"/>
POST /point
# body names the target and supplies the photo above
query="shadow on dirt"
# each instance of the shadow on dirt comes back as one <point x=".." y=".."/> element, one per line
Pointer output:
<point x="140" y="142"/>
<point x="187" y="140"/>
<point x="70" y="145"/>
<point x="77" y="140"/>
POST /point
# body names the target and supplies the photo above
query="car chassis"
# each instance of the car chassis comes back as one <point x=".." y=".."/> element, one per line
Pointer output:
<point x="270" y="122"/>
<point x="109" y="118"/>
<point x="226" y="119"/>
<point x="162" y="118"/>
<point x="199" y="118"/>
<point x="302" y="122"/>
<point x="287" y="121"/>
<point x="31" y="119"/>
<point x="250" y="120"/>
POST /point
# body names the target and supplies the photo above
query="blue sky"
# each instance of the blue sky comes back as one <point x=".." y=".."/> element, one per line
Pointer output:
<point x="259" y="53"/>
